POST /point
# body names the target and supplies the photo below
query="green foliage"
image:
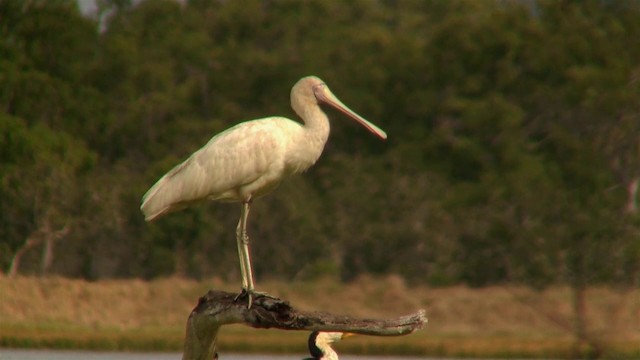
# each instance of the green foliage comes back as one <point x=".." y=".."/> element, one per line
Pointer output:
<point x="42" y="175"/>
<point x="511" y="156"/>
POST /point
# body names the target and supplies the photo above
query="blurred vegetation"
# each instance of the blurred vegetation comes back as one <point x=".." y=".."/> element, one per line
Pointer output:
<point x="513" y="152"/>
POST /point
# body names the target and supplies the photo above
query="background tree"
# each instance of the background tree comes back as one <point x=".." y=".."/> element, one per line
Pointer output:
<point x="512" y="155"/>
<point x="42" y="174"/>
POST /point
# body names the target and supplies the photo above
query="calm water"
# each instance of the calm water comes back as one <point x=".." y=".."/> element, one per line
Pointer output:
<point x="19" y="354"/>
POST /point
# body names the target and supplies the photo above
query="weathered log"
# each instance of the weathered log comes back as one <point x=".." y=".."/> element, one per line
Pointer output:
<point x="218" y="308"/>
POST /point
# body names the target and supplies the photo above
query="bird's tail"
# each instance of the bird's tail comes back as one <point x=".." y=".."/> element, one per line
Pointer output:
<point x="153" y="205"/>
<point x="163" y="196"/>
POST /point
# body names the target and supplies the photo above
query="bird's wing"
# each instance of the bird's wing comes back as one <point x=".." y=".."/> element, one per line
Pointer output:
<point x="230" y="160"/>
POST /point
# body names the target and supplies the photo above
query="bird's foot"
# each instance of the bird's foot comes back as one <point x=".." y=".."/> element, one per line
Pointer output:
<point x="250" y="295"/>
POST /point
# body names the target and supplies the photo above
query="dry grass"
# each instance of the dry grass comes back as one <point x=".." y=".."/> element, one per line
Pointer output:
<point x="495" y="321"/>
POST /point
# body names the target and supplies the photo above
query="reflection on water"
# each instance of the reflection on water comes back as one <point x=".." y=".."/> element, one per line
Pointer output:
<point x="19" y="354"/>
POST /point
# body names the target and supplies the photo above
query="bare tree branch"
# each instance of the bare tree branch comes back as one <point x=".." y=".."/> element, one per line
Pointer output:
<point x="218" y="308"/>
<point x="17" y="257"/>
<point x="42" y="234"/>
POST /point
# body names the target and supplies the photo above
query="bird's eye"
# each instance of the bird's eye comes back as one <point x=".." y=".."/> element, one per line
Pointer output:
<point x="318" y="87"/>
<point x="318" y="90"/>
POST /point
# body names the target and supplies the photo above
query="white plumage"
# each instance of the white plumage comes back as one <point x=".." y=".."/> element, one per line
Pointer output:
<point x="240" y="163"/>
<point x="320" y="344"/>
<point x="249" y="160"/>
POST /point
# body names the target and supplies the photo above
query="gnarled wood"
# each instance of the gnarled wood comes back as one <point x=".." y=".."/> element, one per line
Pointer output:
<point x="218" y="308"/>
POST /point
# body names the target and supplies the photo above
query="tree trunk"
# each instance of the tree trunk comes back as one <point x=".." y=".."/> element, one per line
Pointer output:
<point x="218" y="308"/>
<point x="47" y="253"/>
<point x="586" y="347"/>
<point x="47" y="256"/>
<point x="17" y="257"/>
<point x="632" y="195"/>
<point x="179" y="256"/>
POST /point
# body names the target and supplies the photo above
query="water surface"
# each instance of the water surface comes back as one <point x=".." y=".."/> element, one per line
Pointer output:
<point x="23" y="354"/>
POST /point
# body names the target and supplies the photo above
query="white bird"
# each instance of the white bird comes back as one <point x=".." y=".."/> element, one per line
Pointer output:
<point x="249" y="160"/>
<point x="320" y="344"/>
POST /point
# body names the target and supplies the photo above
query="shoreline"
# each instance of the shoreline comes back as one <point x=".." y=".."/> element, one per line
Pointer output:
<point x="496" y="322"/>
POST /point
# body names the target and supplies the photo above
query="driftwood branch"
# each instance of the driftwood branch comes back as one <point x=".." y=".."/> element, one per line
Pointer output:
<point x="218" y="308"/>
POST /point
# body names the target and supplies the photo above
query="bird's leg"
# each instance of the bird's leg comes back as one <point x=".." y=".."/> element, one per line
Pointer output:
<point x="243" y="251"/>
<point x="243" y="269"/>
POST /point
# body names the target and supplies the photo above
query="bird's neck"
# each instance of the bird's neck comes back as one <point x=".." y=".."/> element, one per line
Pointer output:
<point x="315" y="133"/>
<point x="316" y="124"/>
<point x="329" y="354"/>
<point x="306" y="149"/>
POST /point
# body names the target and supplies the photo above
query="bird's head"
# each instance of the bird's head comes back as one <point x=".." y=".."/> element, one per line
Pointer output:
<point x="320" y="343"/>
<point x="303" y="93"/>
<point x="311" y="91"/>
